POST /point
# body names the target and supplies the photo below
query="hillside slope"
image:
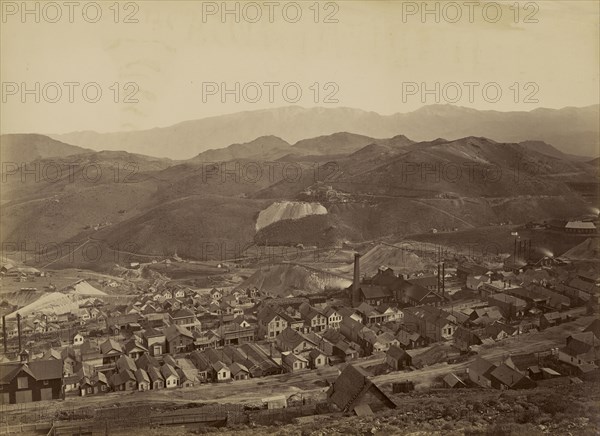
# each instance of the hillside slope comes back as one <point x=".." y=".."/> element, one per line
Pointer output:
<point x="30" y="147"/>
<point x="285" y="279"/>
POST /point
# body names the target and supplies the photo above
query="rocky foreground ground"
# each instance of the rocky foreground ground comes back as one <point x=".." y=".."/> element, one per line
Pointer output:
<point x="566" y="410"/>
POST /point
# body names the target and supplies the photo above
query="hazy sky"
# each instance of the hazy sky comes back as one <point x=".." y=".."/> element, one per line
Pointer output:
<point x="371" y="59"/>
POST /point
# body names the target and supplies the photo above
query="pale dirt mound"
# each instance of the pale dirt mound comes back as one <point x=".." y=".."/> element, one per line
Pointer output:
<point x="587" y="250"/>
<point x="399" y="258"/>
<point x="55" y="302"/>
<point x="22" y="298"/>
<point x="287" y="210"/>
<point x="84" y="288"/>
<point x="283" y="280"/>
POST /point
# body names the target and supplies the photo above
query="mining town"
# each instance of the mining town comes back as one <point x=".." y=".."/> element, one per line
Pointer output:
<point x="300" y="218"/>
<point x="173" y="355"/>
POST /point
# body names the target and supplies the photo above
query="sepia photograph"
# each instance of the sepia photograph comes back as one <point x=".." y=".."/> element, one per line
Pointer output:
<point x="300" y="218"/>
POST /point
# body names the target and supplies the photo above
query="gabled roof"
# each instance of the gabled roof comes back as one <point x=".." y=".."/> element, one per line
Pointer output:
<point x="329" y="311"/>
<point x="472" y="268"/>
<point x="482" y="367"/>
<point x="123" y="377"/>
<point x="350" y="386"/>
<point x="170" y="360"/>
<point x="430" y="313"/>
<point x="155" y="374"/>
<point x="290" y="357"/>
<point x="467" y="336"/>
<point x="523" y="362"/>
<point x="425" y="281"/>
<point x="594" y="327"/>
<point x="267" y="314"/>
<point x="174" y="331"/>
<point x="452" y="380"/>
<point x="53" y="353"/>
<point x="586" y="225"/>
<point x="332" y="335"/>
<point x="507" y="376"/>
<point x="236" y="368"/>
<point x="585" y="337"/>
<point x="415" y="291"/>
<point x="366" y="309"/>
<point x="397" y="353"/>
<point x="99" y="377"/>
<point x="132" y="344"/>
<point x="110" y="345"/>
<point x="218" y="366"/>
<point x="291" y="338"/>
<point x="38" y="369"/>
<point x="311" y="313"/>
<point x="386" y="338"/>
<point x="153" y="333"/>
<point x="508" y="299"/>
<point x="315" y="353"/>
<point x="374" y="291"/>
<point x="406" y="337"/>
<point x="552" y="316"/>
<point x="494" y="329"/>
<point x="126" y="363"/>
<point x="142" y="376"/>
<point x="187" y="374"/>
<point x="167" y="371"/>
<point x="145" y="361"/>
<point x="184" y="312"/>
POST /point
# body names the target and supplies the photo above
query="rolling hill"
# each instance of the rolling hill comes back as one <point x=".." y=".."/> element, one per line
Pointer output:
<point x="30" y="147"/>
<point x="371" y="188"/>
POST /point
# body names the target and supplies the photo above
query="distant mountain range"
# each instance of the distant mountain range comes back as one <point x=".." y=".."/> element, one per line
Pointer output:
<point x="571" y="130"/>
<point x="375" y="188"/>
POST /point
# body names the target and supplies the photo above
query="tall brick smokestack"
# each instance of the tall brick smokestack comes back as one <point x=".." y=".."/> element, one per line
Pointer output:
<point x="356" y="282"/>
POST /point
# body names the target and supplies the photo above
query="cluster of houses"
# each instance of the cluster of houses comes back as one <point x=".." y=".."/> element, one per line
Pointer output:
<point x="131" y="368"/>
<point x="20" y="273"/>
<point x="98" y="367"/>
<point x="582" y="350"/>
<point x="90" y="312"/>
<point x="172" y="337"/>
<point x="577" y="362"/>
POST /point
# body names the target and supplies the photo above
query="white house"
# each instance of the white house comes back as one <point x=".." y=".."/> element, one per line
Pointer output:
<point x="78" y="339"/>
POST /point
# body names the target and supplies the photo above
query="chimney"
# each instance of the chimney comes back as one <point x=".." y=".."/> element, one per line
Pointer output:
<point x="19" y="329"/>
<point x="438" y="278"/>
<point x="356" y="282"/>
<point x="4" y="333"/>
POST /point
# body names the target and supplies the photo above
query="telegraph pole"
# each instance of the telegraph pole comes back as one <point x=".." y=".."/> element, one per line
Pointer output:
<point x="19" y="329"/>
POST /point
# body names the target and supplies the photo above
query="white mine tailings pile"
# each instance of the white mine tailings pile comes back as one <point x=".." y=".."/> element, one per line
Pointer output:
<point x="287" y="210"/>
<point x="54" y="302"/>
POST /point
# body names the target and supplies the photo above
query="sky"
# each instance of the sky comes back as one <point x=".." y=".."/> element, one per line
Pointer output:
<point x="108" y="66"/>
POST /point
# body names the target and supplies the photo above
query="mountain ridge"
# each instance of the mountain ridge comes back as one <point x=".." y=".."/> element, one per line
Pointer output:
<point x="571" y="130"/>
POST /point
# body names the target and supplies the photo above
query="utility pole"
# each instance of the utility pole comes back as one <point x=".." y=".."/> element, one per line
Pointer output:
<point x="4" y="342"/>
<point x="19" y="329"/>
